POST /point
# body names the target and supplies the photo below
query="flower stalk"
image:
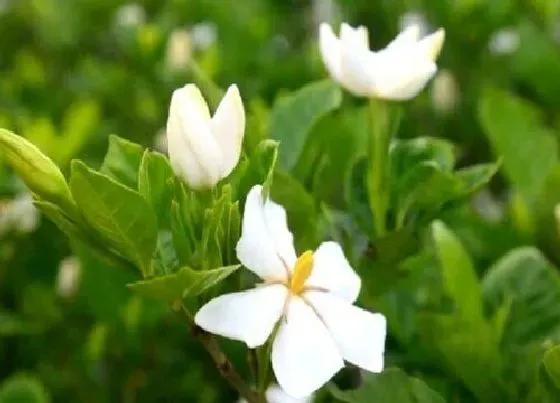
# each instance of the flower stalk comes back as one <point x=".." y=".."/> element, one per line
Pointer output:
<point x="223" y="364"/>
<point x="384" y="120"/>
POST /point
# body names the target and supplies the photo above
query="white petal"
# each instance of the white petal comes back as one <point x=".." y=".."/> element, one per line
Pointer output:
<point x="355" y="75"/>
<point x="193" y="152"/>
<point x="275" y="394"/>
<point x="304" y="355"/>
<point x="404" y="40"/>
<point x="197" y="102"/>
<point x="355" y="37"/>
<point x="359" y="334"/>
<point x="228" y="127"/>
<point x="247" y="316"/>
<point x="430" y="46"/>
<point x="265" y="246"/>
<point x="329" y="46"/>
<point x="402" y="79"/>
<point x="332" y="272"/>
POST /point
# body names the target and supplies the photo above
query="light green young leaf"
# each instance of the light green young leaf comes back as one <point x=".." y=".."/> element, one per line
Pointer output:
<point x="185" y="283"/>
<point x="516" y="132"/>
<point x="155" y="185"/>
<point x="293" y="116"/>
<point x="120" y="215"/>
<point x="38" y="172"/>
<point x="459" y="276"/>
<point x="23" y="388"/>
<point x="122" y="161"/>
<point x="391" y="386"/>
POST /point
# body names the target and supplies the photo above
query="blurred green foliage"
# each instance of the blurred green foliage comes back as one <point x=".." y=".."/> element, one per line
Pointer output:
<point x="472" y="299"/>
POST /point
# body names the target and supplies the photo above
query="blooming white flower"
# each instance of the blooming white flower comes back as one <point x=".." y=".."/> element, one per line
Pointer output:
<point x="275" y="394"/>
<point x="19" y="215"/>
<point x="312" y="296"/>
<point x="398" y="72"/>
<point x="204" y="149"/>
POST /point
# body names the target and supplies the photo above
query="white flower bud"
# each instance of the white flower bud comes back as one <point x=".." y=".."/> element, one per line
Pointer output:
<point x="202" y="148"/>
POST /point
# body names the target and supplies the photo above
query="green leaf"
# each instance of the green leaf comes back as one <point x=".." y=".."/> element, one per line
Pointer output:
<point x="182" y="242"/>
<point x="22" y="388"/>
<point x="120" y="215"/>
<point x="516" y="132"/>
<point x="85" y="235"/>
<point x="468" y="350"/>
<point x="293" y="116"/>
<point x="155" y="184"/>
<point x="476" y="176"/>
<point x="391" y="386"/>
<point x="533" y="285"/>
<point x="459" y="276"/>
<point x="355" y="195"/>
<point x="300" y="208"/>
<point x="185" y="283"/>
<point x="406" y="154"/>
<point x="11" y="324"/>
<point x="260" y="169"/>
<point x="122" y="161"/>
<point x="551" y="362"/>
<point x="38" y="172"/>
<point x="426" y="186"/>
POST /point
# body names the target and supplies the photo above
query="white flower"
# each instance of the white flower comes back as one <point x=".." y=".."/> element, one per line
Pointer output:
<point x="398" y="72"/>
<point x="179" y="50"/>
<point x="504" y="42"/>
<point x="445" y="92"/>
<point x="311" y="296"/>
<point x="19" y="215"/>
<point x="204" y="35"/>
<point x="275" y="394"/>
<point x="204" y="149"/>
<point x="68" y="279"/>
<point x="130" y="15"/>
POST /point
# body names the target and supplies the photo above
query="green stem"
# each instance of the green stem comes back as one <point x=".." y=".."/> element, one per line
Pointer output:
<point x="383" y="124"/>
<point x="223" y="364"/>
<point x="264" y="365"/>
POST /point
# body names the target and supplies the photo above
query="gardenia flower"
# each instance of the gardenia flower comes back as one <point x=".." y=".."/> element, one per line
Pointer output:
<point x="309" y="297"/>
<point x="398" y="72"/>
<point x="202" y="148"/>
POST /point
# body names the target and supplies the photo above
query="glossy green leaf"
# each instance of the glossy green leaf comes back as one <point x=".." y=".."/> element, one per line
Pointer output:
<point x="22" y="388"/>
<point x="459" y="276"/>
<point x="122" y="161"/>
<point x="391" y="386"/>
<point x="120" y="215"/>
<point x="185" y="283"/>
<point x="517" y="134"/>
<point x="38" y="172"/>
<point x="293" y="116"/>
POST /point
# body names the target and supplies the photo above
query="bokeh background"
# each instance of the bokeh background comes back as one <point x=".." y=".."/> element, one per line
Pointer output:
<point x="74" y="72"/>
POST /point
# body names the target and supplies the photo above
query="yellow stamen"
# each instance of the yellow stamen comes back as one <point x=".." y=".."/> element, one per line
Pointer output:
<point x="302" y="271"/>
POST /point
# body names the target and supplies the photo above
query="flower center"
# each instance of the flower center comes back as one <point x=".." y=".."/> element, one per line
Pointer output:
<point x="302" y="271"/>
